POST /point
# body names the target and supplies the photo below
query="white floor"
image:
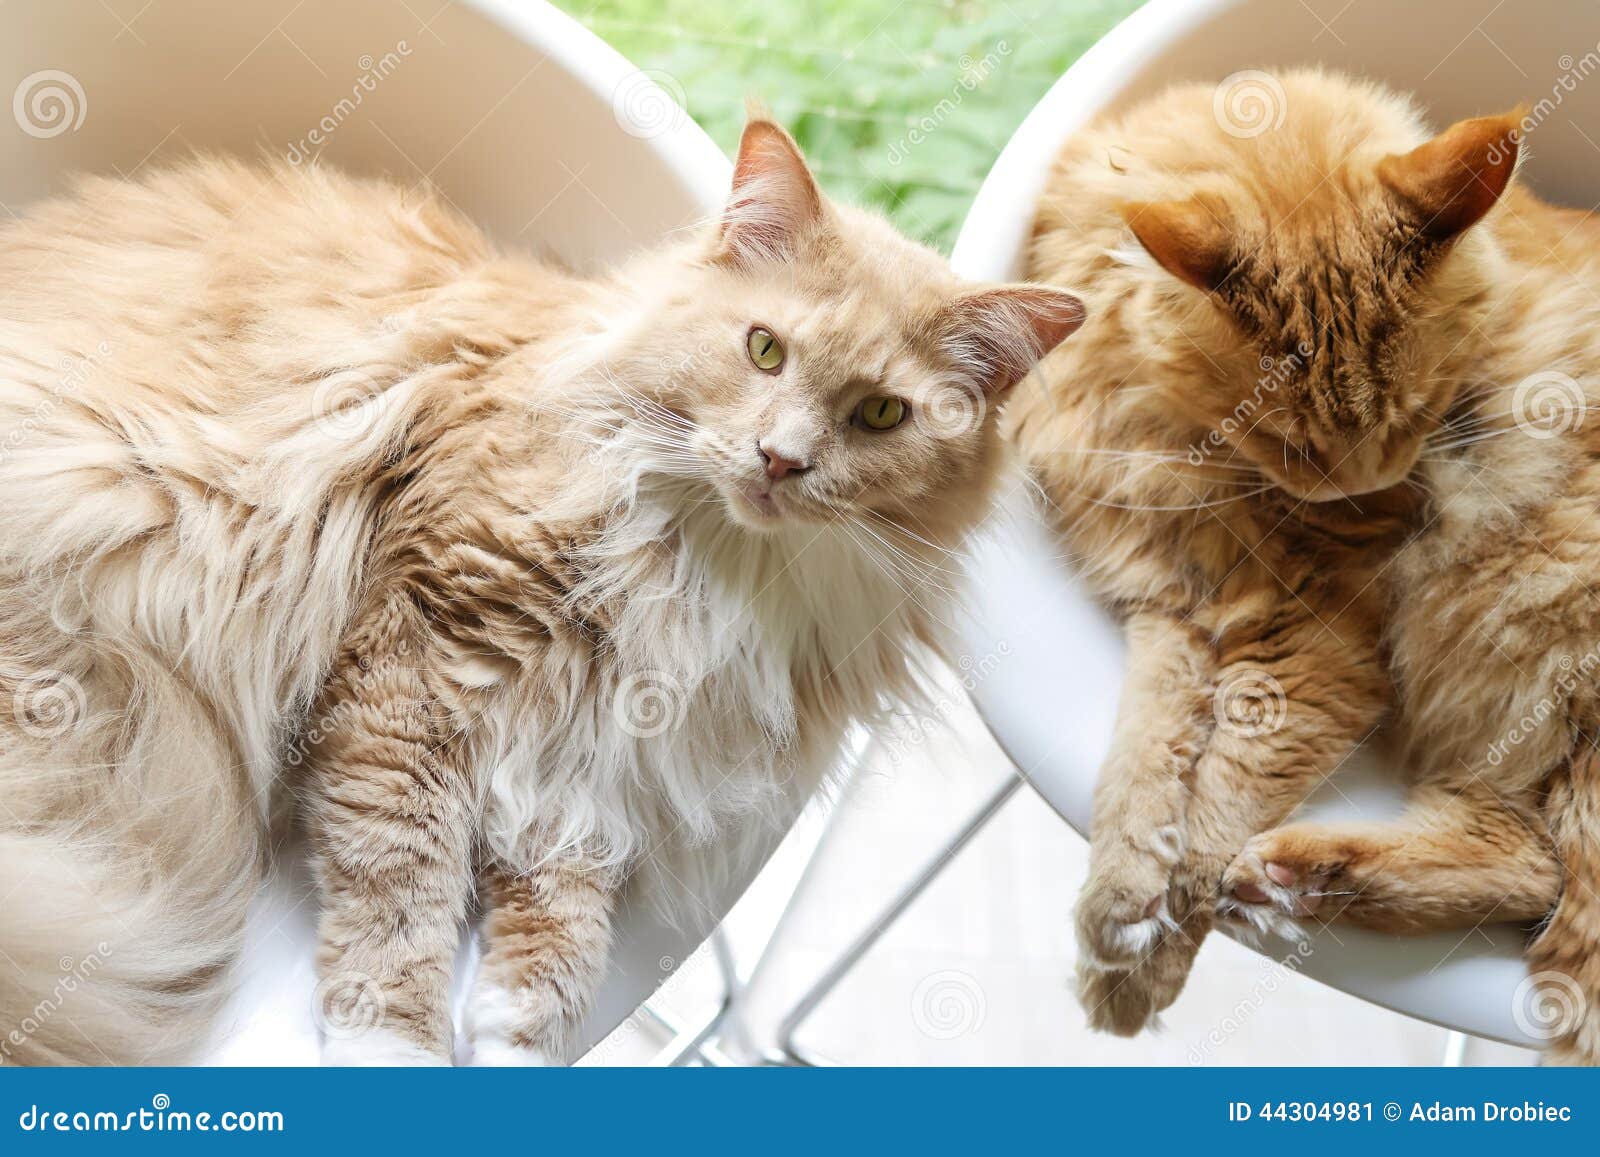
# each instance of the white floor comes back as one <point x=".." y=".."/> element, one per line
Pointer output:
<point x="978" y="971"/>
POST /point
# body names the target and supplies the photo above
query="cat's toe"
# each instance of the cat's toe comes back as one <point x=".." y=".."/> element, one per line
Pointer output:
<point x="1120" y="932"/>
<point x="1116" y="1001"/>
<point x="1266" y="891"/>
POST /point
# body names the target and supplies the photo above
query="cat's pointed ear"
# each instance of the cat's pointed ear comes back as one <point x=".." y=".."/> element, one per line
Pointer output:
<point x="1453" y="180"/>
<point x="774" y="197"/>
<point x="1188" y="238"/>
<point x="999" y="334"/>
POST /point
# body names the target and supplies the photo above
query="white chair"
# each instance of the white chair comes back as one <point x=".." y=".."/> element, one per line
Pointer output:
<point x="521" y="117"/>
<point x="1051" y="692"/>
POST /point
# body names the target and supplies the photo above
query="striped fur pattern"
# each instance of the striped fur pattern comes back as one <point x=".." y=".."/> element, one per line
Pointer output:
<point x="1323" y="448"/>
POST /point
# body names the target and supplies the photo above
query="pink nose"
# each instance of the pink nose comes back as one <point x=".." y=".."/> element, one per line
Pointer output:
<point x="778" y="465"/>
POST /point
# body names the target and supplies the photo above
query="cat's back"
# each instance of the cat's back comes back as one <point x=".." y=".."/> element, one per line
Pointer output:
<point x="209" y="246"/>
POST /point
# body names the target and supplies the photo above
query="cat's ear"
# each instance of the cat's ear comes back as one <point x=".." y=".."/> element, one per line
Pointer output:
<point x="999" y="334"/>
<point x="1453" y="180"/>
<point x="774" y="197"/>
<point x="1189" y="239"/>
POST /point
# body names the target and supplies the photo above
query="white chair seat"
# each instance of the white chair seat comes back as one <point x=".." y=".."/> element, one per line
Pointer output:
<point x="1050" y="691"/>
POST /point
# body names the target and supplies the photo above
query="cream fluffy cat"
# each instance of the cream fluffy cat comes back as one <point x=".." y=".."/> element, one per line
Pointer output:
<point x="1324" y="448"/>
<point x="517" y="578"/>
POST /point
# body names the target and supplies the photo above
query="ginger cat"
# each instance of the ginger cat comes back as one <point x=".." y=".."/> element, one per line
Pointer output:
<point x="518" y="579"/>
<point x="1322" y="449"/>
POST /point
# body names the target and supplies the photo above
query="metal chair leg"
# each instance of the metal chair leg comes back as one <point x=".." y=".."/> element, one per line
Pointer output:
<point x="787" y="1051"/>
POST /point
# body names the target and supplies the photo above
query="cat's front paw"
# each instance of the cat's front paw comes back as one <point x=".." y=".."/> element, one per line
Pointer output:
<point x="501" y="1029"/>
<point x="1123" y="910"/>
<point x="379" y="1048"/>
<point x="1278" y="878"/>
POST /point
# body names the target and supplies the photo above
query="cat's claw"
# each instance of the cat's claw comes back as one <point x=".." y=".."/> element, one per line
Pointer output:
<point x="1267" y="894"/>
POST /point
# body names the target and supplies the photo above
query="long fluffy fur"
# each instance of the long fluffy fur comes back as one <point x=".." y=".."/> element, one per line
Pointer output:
<point x="306" y="486"/>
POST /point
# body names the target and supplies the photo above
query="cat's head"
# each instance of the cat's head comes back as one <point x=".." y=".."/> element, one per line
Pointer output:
<point x="809" y="363"/>
<point x="1340" y="247"/>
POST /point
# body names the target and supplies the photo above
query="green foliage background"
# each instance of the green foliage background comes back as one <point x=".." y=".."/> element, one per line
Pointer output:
<point x="853" y="78"/>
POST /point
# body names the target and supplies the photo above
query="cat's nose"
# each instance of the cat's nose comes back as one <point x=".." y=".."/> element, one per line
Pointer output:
<point x="778" y="464"/>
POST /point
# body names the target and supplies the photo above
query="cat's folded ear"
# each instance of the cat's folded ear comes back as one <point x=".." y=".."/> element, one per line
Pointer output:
<point x="1190" y="239"/>
<point x="774" y="198"/>
<point x="1450" y="182"/>
<point x="999" y="334"/>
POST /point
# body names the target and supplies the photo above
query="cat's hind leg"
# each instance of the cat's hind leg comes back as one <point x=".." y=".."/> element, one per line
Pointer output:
<point x="546" y="937"/>
<point x="1459" y="856"/>
<point x="1561" y="1000"/>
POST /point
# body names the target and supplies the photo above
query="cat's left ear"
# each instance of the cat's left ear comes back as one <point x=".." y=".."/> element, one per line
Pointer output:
<point x="774" y="197"/>
<point x="1000" y="334"/>
<point x="1453" y="180"/>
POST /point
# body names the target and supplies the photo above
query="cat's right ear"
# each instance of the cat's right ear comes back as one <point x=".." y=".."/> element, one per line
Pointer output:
<point x="1187" y="238"/>
<point x="774" y="197"/>
<point x="1451" y="181"/>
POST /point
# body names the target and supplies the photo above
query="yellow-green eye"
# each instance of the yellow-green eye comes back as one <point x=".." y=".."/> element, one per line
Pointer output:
<point x="881" y="413"/>
<point x="766" y="351"/>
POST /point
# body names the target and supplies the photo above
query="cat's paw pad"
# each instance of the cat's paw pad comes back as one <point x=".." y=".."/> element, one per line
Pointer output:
<point x="1270" y="886"/>
<point x="378" y="1048"/>
<point x="1123" y="911"/>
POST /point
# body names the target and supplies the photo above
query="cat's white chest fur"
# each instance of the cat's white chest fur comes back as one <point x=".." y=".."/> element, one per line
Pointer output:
<point x="720" y="697"/>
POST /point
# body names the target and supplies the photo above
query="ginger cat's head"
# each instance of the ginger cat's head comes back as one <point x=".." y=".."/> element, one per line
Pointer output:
<point x="812" y="363"/>
<point x="1338" y="256"/>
